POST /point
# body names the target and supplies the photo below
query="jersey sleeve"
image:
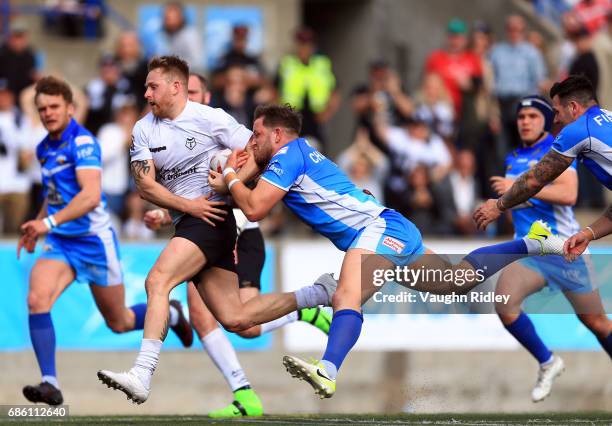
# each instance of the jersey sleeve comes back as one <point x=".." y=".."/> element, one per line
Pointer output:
<point x="226" y="131"/>
<point x="570" y="142"/>
<point x="139" y="148"/>
<point x="87" y="153"/>
<point x="284" y="168"/>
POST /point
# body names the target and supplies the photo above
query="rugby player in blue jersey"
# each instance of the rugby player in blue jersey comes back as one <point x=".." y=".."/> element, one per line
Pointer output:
<point x="321" y="195"/>
<point x="80" y="243"/>
<point x="587" y="136"/>
<point x="553" y="204"/>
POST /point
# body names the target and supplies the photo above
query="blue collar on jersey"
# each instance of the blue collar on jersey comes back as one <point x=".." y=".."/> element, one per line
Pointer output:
<point x="68" y="132"/>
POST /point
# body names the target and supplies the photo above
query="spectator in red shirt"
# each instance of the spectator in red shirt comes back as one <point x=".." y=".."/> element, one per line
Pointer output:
<point x="592" y="13"/>
<point x="457" y="66"/>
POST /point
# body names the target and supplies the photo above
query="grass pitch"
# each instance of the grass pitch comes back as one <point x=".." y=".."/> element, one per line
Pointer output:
<point x="571" y="418"/>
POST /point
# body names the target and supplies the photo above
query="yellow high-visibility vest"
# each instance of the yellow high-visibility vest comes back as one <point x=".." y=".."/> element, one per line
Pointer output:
<point x="314" y="79"/>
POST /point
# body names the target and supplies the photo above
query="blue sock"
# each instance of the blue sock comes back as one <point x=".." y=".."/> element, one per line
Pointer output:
<point x="42" y="335"/>
<point x="491" y="259"/>
<point x="523" y="330"/>
<point x="343" y="334"/>
<point x="139" y="315"/>
<point x="606" y="344"/>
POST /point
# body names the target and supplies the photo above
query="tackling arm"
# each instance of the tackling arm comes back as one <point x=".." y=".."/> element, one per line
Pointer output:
<point x="532" y="182"/>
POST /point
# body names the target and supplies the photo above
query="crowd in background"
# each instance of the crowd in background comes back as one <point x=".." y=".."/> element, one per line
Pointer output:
<point x="428" y="154"/>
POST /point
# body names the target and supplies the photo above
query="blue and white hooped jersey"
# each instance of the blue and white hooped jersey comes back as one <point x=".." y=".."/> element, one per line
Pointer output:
<point x="320" y="194"/>
<point x="59" y="160"/>
<point x="560" y="218"/>
<point x="590" y="139"/>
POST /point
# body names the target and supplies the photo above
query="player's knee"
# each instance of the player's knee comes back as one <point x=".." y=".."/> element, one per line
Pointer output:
<point x="235" y="323"/>
<point x="250" y="333"/>
<point x="38" y="303"/>
<point x="155" y="284"/>
<point x="600" y="325"/>
<point x="117" y="325"/>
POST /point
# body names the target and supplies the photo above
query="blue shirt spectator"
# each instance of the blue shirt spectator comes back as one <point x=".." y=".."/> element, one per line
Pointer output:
<point x="518" y="66"/>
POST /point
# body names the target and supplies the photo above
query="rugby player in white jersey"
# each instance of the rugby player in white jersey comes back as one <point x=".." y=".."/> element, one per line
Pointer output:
<point x="250" y="257"/>
<point x="170" y="156"/>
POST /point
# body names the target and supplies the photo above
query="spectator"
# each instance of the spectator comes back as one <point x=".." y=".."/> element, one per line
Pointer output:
<point x="592" y="14"/>
<point x="364" y="164"/>
<point x="179" y="38"/>
<point x="435" y="106"/>
<point x="237" y="55"/>
<point x="114" y="141"/>
<point x="17" y="59"/>
<point x="236" y="98"/>
<point x="519" y="70"/>
<point x="567" y="51"/>
<point x="106" y="94"/>
<point x="479" y="125"/>
<point x="464" y="192"/>
<point x="306" y="81"/>
<point x="457" y="66"/>
<point x="406" y="147"/>
<point x="14" y="184"/>
<point x="134" y="227"/>
<point x="384" y="87"/>
<point x="602" y="46"/>
<point x="133" y="65"/>
<point x="585" y="62"/>
<point x="422" y="207"/>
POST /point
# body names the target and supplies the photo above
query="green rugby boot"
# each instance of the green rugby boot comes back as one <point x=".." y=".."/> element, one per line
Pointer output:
<point x="246" y="403"/>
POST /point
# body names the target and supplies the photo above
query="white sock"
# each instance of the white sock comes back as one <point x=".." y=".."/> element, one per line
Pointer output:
<point x="533" y="246"/>
<point x="277" y="323"/>
<point x="330" y="368"/>
<point x="51" y="380"/>
<point x="147" y="360"/>
<point x="310" y="296"/>
<point x="174" y="316"/>
<point x="222" y="353"/>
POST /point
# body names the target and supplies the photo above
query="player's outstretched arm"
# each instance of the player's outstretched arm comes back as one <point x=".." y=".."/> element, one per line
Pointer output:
<point x="87" y="199"/>
<point x="577" y="243"/>
<point x="525" y="187"/>
<point x="143" y="172"/>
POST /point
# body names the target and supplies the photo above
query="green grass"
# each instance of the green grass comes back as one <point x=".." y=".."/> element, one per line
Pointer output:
<point x="571" y="418"/>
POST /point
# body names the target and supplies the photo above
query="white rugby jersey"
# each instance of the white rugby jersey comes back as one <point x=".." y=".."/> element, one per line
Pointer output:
<point x="181" y="149"/>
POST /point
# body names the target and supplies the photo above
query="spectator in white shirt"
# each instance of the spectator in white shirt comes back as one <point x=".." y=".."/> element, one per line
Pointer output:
<point x="14" y="184"/>
<point x="114" y="141"/>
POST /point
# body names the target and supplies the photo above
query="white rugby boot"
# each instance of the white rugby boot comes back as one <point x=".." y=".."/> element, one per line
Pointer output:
<point x="546" y="377"/>
<point x="129" y="383"/>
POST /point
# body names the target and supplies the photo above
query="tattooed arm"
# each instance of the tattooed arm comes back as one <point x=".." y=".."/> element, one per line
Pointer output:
<point x="525" y="187"/>
<point x="143" y="172"/>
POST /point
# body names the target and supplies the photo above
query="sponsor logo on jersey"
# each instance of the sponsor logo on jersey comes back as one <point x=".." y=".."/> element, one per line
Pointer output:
<point x="190" y="143"/>
<point x="395" y="245"/>
<point x="132" y="146"/>
<point x="274" y="168"/>
<point x="83" y="140"/>
<point x="158" y="149"/>
<point x="176" y="173"/>
<point x="282" y="151"/>
<point x="61" y="159"/>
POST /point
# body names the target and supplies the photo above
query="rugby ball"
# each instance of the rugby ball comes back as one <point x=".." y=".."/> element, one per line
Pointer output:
<point x="219" y="159"/>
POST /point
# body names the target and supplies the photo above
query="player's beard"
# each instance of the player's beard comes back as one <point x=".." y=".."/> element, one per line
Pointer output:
<point x="262" y="156"/>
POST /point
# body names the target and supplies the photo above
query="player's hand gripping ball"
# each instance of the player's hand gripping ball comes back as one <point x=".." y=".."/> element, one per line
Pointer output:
<point x="217" y="163"/>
